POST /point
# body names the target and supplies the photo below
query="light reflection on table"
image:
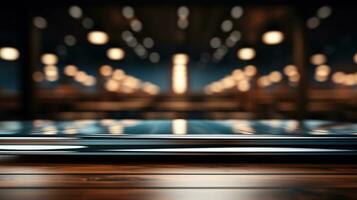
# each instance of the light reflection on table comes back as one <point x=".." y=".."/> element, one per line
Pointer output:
<point x="176" y="127"/>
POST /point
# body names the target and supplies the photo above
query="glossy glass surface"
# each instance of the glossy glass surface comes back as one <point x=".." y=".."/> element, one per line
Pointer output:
<point x="178" y="127"/>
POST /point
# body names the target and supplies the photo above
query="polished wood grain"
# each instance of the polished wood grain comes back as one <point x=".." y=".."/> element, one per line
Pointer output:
<point x="43" y="178"/>
<point x="177" y="194"/>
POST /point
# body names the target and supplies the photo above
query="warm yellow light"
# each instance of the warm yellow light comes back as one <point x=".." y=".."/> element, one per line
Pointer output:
<point x="70" y="130"/>
<point x="105" y="70"/>
<point x="49" y="59"/>
<point x="50" y="70"/>
<point x="180" y="59"/>
<point x="112" y="85"/>
<point x="179" y="126"/>
<point x="52" y="78"/>
<point x="118" y="74"/>
<point x="295" y="78"/>
<point x="126" y="90"/>
<point x="320" y="78"/>
<point x="179" y="73"/>
<point x="131" y="82"/>
<point x="115" y="53"/>
<point x="246" y="53"/>
<point x="338" y="77"/>
<point x="250" y="70"/>
<point x="275" y="77"/>
<point x="116" y="129"/>
<point x="70" y="70"/>
<point x="273" y="37"/>
<point x="264" y="81"/>
<point x="355" y="58"/>
<point x="98" y="37"/>
<point x="179" y="79"/>
<point x="9" y="53"/>
<point x="216" y="87"/>
<point x="243" y="86"/>
<point x="80" y="76"/>
<point x="228" y="82"/>
<point x="323" y="70"/>
<point x="290" y="70"/>
<point x="238" y="75"/>
<point x="89" y="81"/>
<point x="318" y="59"/>
<point x="150" y="88"/>
<point x="349" y="80"/>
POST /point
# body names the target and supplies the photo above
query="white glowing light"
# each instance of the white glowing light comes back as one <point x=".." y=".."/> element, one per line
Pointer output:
<point x="115" y="53"/>
<point x="179" y="79"/>
<point x="98" y="37"/>
<point x="49" y="59"/>
<point x="179" y="126"/>
<point x="273" y="37"/>
<point x="318" y="59"/>
<point x="180" y="59"/>
<point x="246" y="53"/>
<point x="9" y="53"/>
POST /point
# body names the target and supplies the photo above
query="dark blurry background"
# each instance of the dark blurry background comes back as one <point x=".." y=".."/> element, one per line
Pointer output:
<point x="152" y="59"/>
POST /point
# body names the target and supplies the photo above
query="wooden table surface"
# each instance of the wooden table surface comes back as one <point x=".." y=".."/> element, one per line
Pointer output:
<point x="114" y="178"/>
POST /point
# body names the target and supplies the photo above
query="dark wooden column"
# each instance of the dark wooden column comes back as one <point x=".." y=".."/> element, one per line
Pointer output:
<point x="300" y="60"/>
<point x="29" y="55"/>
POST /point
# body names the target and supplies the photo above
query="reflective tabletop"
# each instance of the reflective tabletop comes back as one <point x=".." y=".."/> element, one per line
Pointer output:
<point x="107" y="127"/>
<point x="179" y="136"/>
